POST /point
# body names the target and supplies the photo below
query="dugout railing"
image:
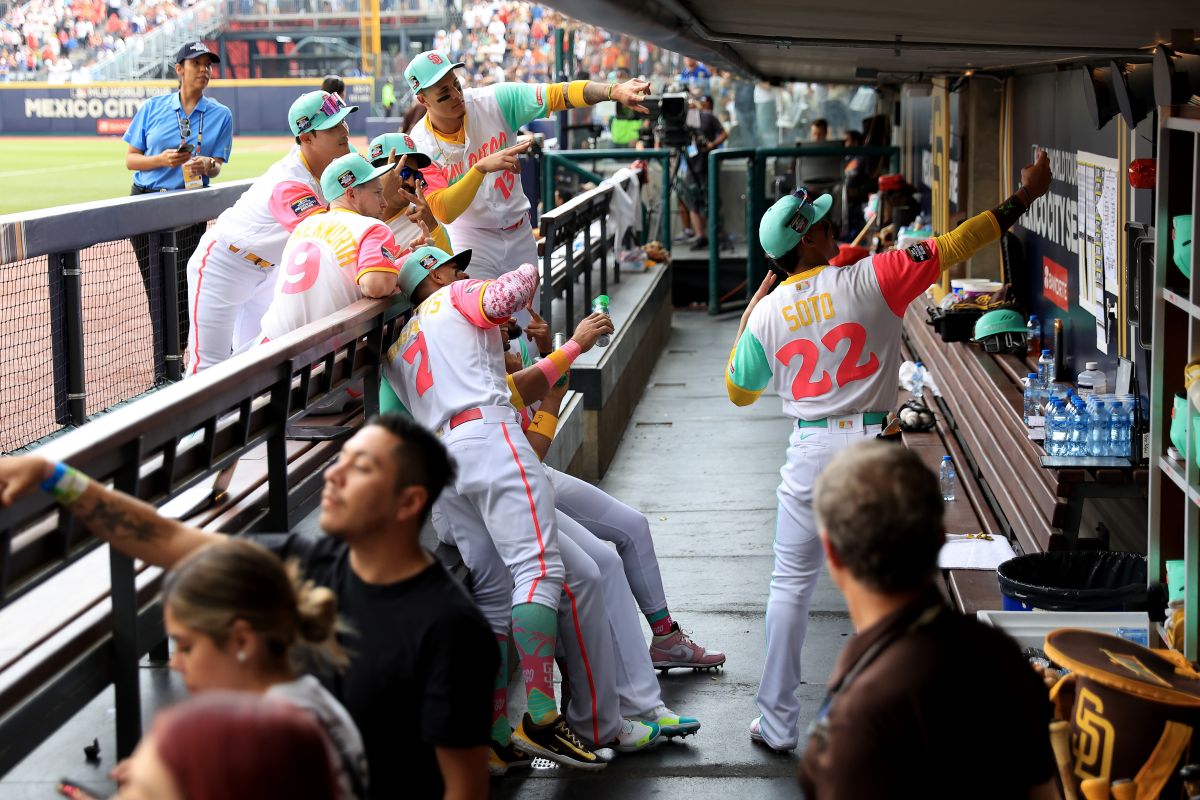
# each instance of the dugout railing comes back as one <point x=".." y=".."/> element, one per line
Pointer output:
<point x="150" y="449"/>
<point x="81" y="332"/>
<point x="97" y="628"/>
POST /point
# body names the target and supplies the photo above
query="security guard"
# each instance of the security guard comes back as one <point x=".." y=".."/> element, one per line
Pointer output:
<point x="176" y="141"/>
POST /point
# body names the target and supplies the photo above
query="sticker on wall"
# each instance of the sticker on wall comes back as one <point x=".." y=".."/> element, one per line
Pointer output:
<point x="1098" y="225"/>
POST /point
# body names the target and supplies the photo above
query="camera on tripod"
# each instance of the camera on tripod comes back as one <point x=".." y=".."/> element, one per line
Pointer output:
<point x="673" y="120"/>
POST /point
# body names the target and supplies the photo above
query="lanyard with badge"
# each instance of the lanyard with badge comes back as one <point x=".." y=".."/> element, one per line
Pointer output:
<point x="191" y="180"/>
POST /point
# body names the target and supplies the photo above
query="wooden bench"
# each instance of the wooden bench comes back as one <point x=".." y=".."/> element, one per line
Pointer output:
<point x="1039" y="508"/>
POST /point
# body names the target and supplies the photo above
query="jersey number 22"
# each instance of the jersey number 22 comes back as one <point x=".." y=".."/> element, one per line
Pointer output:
<point x="803" y="386"/>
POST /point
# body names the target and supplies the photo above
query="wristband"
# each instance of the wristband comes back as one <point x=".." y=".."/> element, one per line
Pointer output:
<point x="558" y="362"/>
<point x="612" y="87"/>
<point x="66" y="484"/>
<point x="544" y="424"/>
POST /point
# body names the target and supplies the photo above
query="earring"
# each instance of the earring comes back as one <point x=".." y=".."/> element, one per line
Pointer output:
<point x="241" y="656"/>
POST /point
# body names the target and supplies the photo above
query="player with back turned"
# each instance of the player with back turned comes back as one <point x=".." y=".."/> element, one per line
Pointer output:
<point x="827" y="341"/>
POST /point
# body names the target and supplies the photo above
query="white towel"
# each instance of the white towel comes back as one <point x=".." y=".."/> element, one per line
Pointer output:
<point x="905" y="377"/>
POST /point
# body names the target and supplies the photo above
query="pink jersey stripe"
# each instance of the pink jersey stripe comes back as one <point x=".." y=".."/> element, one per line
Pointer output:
<point x="537" y="525"/>
<point x="587" y="664"/>
<point x="196" y="309"/>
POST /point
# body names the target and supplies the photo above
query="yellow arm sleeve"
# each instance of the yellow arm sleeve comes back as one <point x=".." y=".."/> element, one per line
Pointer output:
<point x="441" y="239"/>
<point x="517" y="401"/>
<point x="967" y="239"/>
<point x="447" y="204"/>
<point x="562" y="96"/>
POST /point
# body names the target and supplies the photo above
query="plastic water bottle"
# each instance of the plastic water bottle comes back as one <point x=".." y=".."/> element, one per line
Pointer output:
<point x="918" y="382"/>
<point x="600" y="305"/>
<point x="1056" y="428"/>
<point x="1091" y="380"/>
<point x="948" y="479"/>
<point x="1033" y="336"/>
<point x="1080" y="428"/>
<point x="1046" y="368"/>
<point x="1098" y="434"/>
<point x="1032" y="406"/>
<point x="1118" y="427"/>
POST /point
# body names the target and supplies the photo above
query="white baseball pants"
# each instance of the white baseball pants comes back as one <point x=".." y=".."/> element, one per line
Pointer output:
<point x="227" y="297"/>
<point x="798" y="560"/>
<point x="613" y="521"/>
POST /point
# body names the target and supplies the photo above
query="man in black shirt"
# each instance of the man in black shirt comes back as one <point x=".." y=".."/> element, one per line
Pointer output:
<point x="708" y="135"/>
<point x="419" y="684"/>
<point x="917" y="690"/>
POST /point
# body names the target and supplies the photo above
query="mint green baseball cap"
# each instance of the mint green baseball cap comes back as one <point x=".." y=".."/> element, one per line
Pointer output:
<point x="786" y="222"/>
<point x="316" y="111"/>
<point x="428" y="68"/>
<point x="1181" y="247"/>
<point x="422" y="261"/>
<point x="346" y="171"/>
<point x="382" y="146"/>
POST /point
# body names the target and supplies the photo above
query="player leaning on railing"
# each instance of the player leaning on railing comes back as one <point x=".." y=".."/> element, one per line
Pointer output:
<point x="827" y="341"/>
<point x="471" y="135"/>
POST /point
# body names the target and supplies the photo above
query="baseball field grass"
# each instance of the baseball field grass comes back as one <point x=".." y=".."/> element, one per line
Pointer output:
<point x="39" y="172"/>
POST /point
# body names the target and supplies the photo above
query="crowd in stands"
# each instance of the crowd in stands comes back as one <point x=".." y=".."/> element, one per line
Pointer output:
<point x="58" y="36"/>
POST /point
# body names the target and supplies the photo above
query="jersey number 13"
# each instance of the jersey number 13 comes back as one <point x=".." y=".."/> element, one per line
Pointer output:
<point x="809" y="353"/>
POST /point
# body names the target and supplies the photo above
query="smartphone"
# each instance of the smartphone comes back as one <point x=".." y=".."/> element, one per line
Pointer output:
<point x="69" y="788"/>
<point x="186" y="147"/>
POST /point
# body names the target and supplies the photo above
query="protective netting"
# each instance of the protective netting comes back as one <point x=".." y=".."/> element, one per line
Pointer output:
<point x="119" y="335"/>
<point x="27" y="363"/>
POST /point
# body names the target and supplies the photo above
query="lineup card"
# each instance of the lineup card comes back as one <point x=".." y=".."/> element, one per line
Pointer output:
<point x="1098" y="223"/>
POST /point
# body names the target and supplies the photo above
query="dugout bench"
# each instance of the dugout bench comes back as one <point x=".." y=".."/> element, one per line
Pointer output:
<point x="980" y="420"/>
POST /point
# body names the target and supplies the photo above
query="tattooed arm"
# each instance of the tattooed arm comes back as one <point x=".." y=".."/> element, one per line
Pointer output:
<point x="128" y="524"/>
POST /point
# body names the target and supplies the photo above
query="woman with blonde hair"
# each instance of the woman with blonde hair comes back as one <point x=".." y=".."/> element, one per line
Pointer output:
<point x="242" y="620"/>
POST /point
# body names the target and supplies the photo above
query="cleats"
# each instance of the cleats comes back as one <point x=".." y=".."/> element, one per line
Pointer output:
<point x="677" y="650"/>
<point x="556" y="742"/>
<point x="669" y="723"/>
<point x="505" y="757"/>
<point x="635" y="735"/>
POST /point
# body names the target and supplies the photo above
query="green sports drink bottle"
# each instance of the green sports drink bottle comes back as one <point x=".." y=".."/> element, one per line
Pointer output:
<point x="600" y="305"/>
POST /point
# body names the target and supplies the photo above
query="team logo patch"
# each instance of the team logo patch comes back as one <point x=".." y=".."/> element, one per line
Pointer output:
<point x="416" y="82"/>
<point x="434" y="58"/>
<point x="199" y="48"/>
<point x="303" y="123"/>
<point x="429" y="262"/>
<point x="408" y="142"/>
<point x="376" y="151"/>
<point x="346" y="179"/>
<point x="388" y="254"/>
<point x="304" y="205"/>
<point x="919" y="252"/>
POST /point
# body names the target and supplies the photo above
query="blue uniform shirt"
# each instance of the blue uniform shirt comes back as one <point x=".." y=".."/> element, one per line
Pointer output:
<point x="157" y="125"/>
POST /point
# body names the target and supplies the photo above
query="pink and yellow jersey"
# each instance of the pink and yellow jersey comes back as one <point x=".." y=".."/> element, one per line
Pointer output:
<point x="449" y="357"/>
<point x="827" y="340"/>
<point x="323" y="261"/>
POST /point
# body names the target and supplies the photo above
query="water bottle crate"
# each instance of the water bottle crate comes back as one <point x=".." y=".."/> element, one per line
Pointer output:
<point x="1097" y="462"/>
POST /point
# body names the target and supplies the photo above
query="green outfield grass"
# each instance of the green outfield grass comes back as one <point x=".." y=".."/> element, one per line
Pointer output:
<point x="58" y="170"/>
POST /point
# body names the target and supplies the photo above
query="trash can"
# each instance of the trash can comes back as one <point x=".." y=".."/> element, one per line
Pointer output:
<point x="1074" y="581"/>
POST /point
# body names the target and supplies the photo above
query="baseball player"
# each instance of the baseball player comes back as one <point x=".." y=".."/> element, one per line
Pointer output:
<point x="452" y="343"/>
<point x="472" y="137"/>
<point x="611" y="520"/>
<point x="334" y="257"/>
<point x="407" y="211"/>
<point x="827" y="341"/>
<point x="231" y="274"/>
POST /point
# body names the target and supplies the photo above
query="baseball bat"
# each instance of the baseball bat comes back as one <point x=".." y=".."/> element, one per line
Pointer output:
<point x="863" y="232"/>
<point x="1095" y="789"/>
<point x="1060" y="740"/>
<point x="1124" y="789"/>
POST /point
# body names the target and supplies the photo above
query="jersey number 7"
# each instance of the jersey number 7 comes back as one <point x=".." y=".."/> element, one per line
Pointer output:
<point x="424" y="373"/>
<point x="849" y="371"/>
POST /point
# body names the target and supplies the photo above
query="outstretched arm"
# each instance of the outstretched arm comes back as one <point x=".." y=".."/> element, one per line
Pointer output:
<point x="128" y="524"/>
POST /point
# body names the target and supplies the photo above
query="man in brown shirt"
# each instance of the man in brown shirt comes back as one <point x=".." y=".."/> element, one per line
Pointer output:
<point x="923" y="700"/>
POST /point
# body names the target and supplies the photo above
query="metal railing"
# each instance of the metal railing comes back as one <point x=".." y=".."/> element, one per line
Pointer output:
<point x="58" y="255"/>
<point x="317" y="10"/>
<point x="553" y="160"/>
<point x="756" y="206"/>
<point x="560" y="229"/>
<point x="240" y="404"/>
